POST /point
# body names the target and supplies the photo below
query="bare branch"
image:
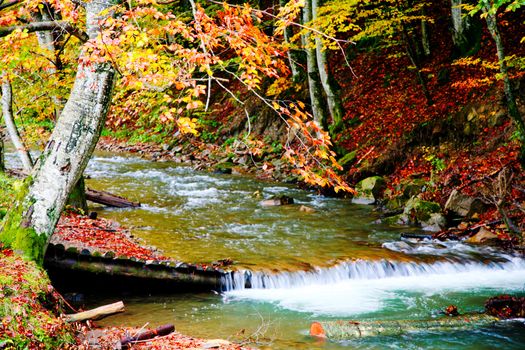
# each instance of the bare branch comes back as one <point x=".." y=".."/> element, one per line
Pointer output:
<point x="46" y="26"/>
<point x="8" y="4"/>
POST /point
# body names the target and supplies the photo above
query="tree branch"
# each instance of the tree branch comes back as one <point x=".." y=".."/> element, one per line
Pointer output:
<point x="46" y="26"/>
<point x="8" y="4"/>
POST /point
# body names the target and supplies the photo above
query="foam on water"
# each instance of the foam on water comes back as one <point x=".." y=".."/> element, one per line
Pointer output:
<point x="366" y="286"/>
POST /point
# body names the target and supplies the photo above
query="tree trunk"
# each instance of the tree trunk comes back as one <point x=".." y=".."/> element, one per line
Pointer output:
<point x="292" y="54"/>
<point x="425" y="35"/>
<point x="7" y="111"/>
<point x="412" y="55"/>
<point x="2" y="161"/>
<point x="77" y="197"/>
<point x="346" y="330"/>
<point x="333" y="96"/>
<point x="514" y="113"/>
<point x="32" y="219"/>
<point x="466" y="30"/>
<point x="314" y="84"/>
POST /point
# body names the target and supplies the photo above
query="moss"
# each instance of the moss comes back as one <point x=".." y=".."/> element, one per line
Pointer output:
<point x="26" y="322"/>
<point x="14" y="234"/>
<point x="419" y="210"/>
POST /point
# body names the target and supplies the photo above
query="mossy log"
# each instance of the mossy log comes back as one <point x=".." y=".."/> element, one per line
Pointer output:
<point x="346" y="330"/>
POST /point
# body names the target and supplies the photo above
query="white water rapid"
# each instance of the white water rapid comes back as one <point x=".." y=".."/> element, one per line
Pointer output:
<point x="367" y="286"/>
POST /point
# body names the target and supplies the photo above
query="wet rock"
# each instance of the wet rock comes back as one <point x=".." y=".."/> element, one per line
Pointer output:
<point x="413" y="187"/>
<point x="276" y="201"/>
<point x="419" y="211"/>
<point x="462" y="205"/>
<point x="371" y="188"/>
<point x="482" y="236"/>
<point x="306" y="209"/>
<point x="436" y="223"/>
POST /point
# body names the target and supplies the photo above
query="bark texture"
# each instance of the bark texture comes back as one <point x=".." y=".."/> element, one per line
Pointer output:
<point x="292" y="54"/>
<point x="466" y="30"/>
<point x="7" y="112"/>
<point x="2" y="161"/>
<point x="31" y="222"/>
<point x="331" y="90"/>
<point x="314" y="83"/>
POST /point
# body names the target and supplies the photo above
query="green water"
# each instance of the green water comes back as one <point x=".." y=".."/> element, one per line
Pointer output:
<point x="201" y="217"/>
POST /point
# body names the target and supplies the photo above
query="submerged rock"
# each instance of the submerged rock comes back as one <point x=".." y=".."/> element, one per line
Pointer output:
<point x="276" y="201"/>
<point x="306" y="209"/>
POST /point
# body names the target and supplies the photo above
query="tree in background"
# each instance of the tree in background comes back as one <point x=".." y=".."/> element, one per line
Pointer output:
<point x="144" y="50"/>
<point x="489" y="10"/>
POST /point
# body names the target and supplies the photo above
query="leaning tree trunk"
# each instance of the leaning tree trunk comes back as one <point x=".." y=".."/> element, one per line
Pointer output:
<point x="32" y="219"/>
<point x="512" y="107"/>
<point x="47" y="40"/>
<point x="314" y="84"/>
<point x="333" y="96"/>
<point x="7" y="112"/>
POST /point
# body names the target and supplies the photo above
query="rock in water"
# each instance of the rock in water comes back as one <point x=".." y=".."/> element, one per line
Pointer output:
<point x="276" y="201"/>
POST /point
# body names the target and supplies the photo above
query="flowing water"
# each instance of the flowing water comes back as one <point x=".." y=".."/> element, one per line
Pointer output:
<point x="294" y="267"/>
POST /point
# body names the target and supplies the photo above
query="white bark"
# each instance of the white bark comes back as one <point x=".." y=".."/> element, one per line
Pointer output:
<point x="7" y="112"/>
<point x="314" y="85"/>
<point x="2" y="161"/>
<point x="333" y="99"/>
<point x="71" y="144"/>
<point x="292" y="59"/>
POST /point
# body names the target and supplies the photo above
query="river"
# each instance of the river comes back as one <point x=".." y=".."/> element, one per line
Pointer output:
<point x="333" y="263"/>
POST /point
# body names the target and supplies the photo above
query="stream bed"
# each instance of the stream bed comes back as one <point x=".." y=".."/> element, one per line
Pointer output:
<point x="333" y="263"/>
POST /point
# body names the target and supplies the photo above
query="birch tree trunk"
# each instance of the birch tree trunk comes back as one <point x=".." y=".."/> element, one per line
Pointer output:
<point x="331" y="90"/>
<point x="2" y="161"/>
<point x="32" y="219"/>
<point x="292" y="54"/>
<point x="512" y="107"/>
<point x="7" y="112"/>
<point x="314" y="83"/>
<point x="466" y="30"/>
<point x="47" y="40"/>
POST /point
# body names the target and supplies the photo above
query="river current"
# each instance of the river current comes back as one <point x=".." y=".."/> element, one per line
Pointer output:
<point x="294" y="267"/>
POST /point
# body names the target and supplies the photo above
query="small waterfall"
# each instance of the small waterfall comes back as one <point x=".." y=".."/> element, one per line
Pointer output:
<point x="362" y="270"/>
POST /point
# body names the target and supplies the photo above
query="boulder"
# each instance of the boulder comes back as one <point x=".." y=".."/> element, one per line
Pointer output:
<point x="371" y="188"/>
<point x="463" y="205"/>
<point x="436" y="223"/>
<point x="482" y="236"/>
<point x="419" y="210"/>
<point x="413" y="187"/>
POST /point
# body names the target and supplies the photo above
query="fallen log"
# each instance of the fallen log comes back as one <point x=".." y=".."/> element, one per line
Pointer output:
<point x="100" y="197"/>
<point x="346" y="330"/>
<point x="109" y="199"/>
<point x="97" y="313"/>
<point x="147" y="335"/>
